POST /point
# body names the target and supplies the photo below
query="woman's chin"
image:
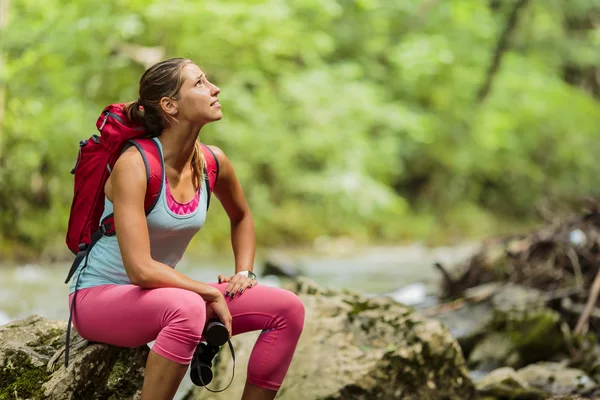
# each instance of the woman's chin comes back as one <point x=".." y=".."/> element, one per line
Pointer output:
<point x="218" y="115"/>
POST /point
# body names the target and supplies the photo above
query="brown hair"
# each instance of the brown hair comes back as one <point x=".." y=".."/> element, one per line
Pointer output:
<point x="163" y="79"/>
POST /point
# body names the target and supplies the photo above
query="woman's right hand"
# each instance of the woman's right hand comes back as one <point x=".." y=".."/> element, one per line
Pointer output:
<point x="217" y="307"/>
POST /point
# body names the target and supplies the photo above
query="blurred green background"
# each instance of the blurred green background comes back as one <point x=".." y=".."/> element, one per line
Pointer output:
<point x="384" y="121"/>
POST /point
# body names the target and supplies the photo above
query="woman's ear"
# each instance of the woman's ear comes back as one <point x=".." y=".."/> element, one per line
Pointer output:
<point x="169" y="106"/>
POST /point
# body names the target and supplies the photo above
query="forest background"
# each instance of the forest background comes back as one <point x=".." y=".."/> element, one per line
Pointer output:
<point x="381" y="121"/>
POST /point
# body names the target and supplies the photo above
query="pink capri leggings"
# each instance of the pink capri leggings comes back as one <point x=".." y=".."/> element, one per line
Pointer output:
<point x="129" y="316"/>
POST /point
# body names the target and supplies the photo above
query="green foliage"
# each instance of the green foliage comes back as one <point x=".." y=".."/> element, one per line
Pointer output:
<point x="342" y="117"/>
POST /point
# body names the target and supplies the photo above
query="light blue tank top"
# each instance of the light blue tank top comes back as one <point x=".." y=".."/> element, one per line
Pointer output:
<point x="170" y="234"/>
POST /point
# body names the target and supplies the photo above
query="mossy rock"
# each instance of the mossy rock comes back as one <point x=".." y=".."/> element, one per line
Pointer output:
<point x="20" y="377"/>
<point x="31" y="365"/>
<point x="494" y="351"/>
<point x="522" y="331"/>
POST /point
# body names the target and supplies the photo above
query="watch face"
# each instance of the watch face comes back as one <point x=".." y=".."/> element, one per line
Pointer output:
<point x="248" y="274"/>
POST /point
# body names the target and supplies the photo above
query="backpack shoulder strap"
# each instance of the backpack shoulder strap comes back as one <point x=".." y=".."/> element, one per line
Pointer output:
<point x="153" y="160"/>
<point x="211" y="170"/>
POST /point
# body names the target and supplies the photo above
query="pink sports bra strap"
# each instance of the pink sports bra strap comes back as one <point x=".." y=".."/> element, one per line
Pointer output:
<point x="211" y="169"/>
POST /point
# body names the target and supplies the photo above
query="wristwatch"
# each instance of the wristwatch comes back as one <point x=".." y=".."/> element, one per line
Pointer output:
<point x="248" y="274"/>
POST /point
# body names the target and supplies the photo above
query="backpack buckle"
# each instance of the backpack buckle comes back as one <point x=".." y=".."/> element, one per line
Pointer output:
<point x="106" y="228"/>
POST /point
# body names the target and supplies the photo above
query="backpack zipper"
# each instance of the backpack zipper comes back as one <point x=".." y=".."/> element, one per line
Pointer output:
<point x="115" y="116"/>
<point x="109" y="114"/>
<point x="104" y="122"/>
<point x="81" y="144"/>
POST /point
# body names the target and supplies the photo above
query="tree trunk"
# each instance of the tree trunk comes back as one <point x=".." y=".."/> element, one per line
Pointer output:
<point x="586" y="77"/>
<point x="501" y="48"/>
<point x="3" y="26"/>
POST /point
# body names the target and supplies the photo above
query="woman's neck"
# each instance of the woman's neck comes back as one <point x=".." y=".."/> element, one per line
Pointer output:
<point x="178" y="146"/>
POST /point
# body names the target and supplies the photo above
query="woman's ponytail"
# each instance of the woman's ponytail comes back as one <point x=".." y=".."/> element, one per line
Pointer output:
<point x="137" y="114"/>
<point x="198" y="163"/>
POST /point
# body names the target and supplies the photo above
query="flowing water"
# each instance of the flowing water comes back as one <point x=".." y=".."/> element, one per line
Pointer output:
<point x="405" y="273"/>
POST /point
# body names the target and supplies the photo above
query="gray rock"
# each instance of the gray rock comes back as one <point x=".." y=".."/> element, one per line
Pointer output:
<point x="494" y="351"/>
<point x="354" y="347"/>
<point x="511" y="298"/>
<point x="556" y="379"/>
<point x="505" y="325"/>
<point x="536" y="381"/>
<point x="32" y="364"/>
<point x="534" y="329"/>
<point x="505" y="383"/>
<point x="468" y="324"/>
<point x="519" y="329"/>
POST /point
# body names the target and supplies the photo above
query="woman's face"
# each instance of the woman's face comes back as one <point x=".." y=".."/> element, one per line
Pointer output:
<point x="198" y="102"/>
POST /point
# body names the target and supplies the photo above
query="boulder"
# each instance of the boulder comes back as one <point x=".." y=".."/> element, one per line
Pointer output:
<point x="32" y="364"/>
<point x="354" y="347"/>
<point x="536" y="382"/>
<point x="522" y="330"/>
<point x="556" y="379"/>
<point x="494" y="351"/>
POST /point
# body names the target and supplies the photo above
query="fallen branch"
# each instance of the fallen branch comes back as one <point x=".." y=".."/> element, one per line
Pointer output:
<point x="589" y="307"/>
<point x="444" y="308"/>
<point x="577" y="309"/>
<point x="448" y="280"/>
<point x="473" y="296"/>
<point x="576" y="267"/>
<point x="563" y="293"/>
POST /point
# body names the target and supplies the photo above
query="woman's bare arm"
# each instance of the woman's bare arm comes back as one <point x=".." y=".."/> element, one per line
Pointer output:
<point x="243" y="235"/>
<point x="229" y="192"/>
<point x="126" y="189"/>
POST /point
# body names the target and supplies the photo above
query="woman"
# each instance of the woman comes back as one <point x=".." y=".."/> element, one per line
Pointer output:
<point x="130" y="294"/>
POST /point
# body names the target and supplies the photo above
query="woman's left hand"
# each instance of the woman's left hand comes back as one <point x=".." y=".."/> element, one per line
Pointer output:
<point x="237" y="284"/>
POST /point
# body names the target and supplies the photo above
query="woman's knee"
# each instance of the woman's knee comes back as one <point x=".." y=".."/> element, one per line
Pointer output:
<point x="187" y="310"/>
<point x="294" y="310"/>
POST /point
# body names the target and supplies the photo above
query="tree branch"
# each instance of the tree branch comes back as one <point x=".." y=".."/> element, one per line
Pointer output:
<point x="501" y="48"/>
